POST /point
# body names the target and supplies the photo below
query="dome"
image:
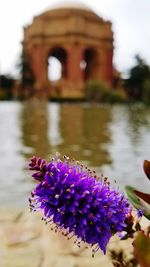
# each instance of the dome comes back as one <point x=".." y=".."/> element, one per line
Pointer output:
<point x="70" y="5"/>
<point x="67" y="6"/>
<point x="74" y="34"/>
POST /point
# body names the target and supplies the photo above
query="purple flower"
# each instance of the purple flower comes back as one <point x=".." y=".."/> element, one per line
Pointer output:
<point x="140" y="213"/>
<point x="71" y="198"/>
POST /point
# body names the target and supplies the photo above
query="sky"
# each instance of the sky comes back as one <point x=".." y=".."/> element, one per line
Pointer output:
<point x="130" y="19"/>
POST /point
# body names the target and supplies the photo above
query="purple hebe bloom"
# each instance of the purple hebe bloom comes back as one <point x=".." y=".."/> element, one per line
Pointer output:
<point x="79" y="205"/>
<point x="140" y="213"/>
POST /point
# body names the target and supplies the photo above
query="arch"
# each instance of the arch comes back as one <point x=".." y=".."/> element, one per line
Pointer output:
<point x="57" y="56"/>
<point x="90" y="64"/>
<point x="54" y="69"/>
<point x="83" y="53"/>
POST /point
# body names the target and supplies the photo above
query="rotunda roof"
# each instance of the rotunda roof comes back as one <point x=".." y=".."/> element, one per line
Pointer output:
<point x="76" y="6"/>
<point x="70" y="4"/>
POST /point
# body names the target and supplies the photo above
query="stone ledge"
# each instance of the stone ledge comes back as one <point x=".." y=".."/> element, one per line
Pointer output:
<point x="27" y="242"/>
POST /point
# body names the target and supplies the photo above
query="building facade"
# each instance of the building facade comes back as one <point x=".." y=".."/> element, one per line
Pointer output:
<point x="79" y="39"/>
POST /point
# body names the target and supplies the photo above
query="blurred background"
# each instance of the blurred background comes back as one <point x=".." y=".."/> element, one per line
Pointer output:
<point x="97" y="113"/>
<point x="114" y="140"/>
<point x="91" y="104"/>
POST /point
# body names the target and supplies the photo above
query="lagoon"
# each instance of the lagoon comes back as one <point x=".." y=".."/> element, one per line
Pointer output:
<point x="113" y="140"/>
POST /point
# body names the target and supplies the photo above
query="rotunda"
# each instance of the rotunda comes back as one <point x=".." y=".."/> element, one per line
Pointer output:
<point x="79" y="39"/>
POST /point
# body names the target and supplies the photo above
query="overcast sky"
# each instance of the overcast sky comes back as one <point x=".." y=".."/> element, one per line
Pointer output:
<point x="130" y="18"/>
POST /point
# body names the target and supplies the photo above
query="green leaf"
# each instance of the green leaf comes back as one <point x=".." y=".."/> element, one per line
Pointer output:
<point x="132" y="197"/>
<point x="138" y="202"/>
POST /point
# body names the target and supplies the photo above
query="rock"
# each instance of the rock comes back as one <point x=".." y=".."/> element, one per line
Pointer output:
<point x="10" y="214"/>
<point x="27" y="242"/>
<point x="22" y="257"/>
<point x="16" y="234"/>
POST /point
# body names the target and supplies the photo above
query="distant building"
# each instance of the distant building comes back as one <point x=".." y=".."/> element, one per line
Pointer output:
<point x="79" y="39"/>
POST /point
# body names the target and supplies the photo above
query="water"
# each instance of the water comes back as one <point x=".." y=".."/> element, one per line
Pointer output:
<point x="113" y="140"/>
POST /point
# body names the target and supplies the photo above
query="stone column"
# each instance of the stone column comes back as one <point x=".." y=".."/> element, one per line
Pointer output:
<point x="75" y="56"/>
<point x="107" y="67"/>
<point x="109" y="72"/>
<point x="39" y="64"/>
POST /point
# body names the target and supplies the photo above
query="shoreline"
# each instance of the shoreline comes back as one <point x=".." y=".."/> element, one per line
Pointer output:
<point x="27" y="242"/>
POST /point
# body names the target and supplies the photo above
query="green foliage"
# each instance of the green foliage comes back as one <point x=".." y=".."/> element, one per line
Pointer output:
<point x="99" y="92"/>
<point x="115" y="97"/>
<point x="27" y="77"/>
<point x="137" y="201"/>
<point x="94" y="90"/>
<point x="146" y="92"/>
<point x="6" y="84"/>
<point x="138" y="74"/>
<point x="5" y="95"/>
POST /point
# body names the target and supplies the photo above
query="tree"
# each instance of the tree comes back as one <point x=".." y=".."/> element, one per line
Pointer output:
<point x="146" y="92"/>
<point x="27" y="76"/>
<point x="7" y="82"/>
<point x="138" y="74"/>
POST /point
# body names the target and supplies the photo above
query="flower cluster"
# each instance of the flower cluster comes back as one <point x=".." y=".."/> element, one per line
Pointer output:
<point x="79" y="204"/>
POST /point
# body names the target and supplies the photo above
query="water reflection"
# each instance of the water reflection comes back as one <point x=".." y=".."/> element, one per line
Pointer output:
<point x="54" y="133"/>
<point x="35" y="128"/>
<point x="81" y="132"/>
<point x="71" y="129"/>
<point x="113" y="139"/>
<point x="96" y="132"/>
<point x="130" y="143"/>
<point x="11" y="160"/>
